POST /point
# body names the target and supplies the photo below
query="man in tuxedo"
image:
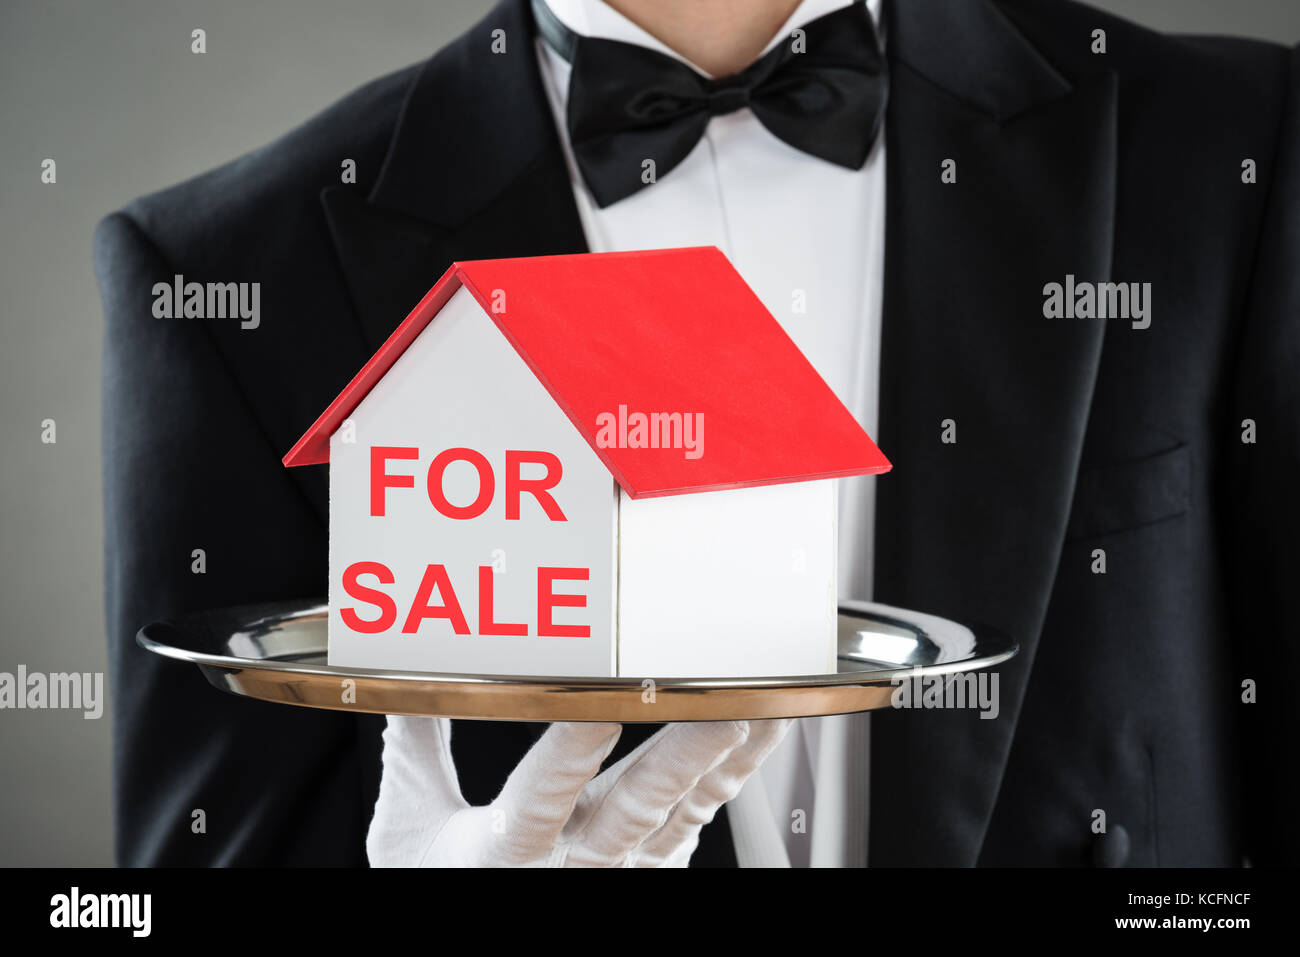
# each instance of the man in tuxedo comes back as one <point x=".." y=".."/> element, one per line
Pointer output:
<point x="1113" y="493"/>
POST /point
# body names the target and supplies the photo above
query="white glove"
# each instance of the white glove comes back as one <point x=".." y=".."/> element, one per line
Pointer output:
<point x="555" y="811"/>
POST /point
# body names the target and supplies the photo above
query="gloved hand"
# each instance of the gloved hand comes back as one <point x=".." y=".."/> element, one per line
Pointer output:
<point x="555" y="811"/>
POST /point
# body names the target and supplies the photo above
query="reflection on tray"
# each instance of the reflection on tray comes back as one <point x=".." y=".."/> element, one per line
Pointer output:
<point x="882" y="634"/>
<point x="282" y="638"/>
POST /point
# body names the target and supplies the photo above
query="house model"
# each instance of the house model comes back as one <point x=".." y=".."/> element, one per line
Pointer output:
<point x="612" y="464"/>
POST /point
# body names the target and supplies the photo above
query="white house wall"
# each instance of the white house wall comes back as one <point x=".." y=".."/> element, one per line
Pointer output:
<point x="461" y="384"/>
<point x="729" y="583"/>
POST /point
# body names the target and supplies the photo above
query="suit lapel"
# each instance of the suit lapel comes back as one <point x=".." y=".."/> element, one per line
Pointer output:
<point x="475" y="171"/>
<point x="973" y="530"/>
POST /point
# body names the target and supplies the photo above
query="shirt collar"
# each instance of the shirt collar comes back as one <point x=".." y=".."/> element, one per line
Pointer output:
<point x="595" y="18"/>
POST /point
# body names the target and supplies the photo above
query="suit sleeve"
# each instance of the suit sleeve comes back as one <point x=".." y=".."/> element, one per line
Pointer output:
<point x="1263" y="511"/>
<point x="201" y="777"/>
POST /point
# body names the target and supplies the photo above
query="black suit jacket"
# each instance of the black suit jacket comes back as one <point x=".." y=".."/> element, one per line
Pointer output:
<point x="1073" y="435"/>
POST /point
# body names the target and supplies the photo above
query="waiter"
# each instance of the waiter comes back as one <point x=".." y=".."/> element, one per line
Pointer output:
<point x="899" y="186"/>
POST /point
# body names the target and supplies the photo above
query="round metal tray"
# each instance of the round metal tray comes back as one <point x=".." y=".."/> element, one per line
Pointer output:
<point x="277" y="652"/>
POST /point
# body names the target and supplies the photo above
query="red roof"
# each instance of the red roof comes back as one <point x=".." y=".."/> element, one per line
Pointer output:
<point x="670" y="330"/>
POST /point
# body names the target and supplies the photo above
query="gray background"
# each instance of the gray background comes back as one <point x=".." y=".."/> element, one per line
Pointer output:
<point x="111" y="91"/>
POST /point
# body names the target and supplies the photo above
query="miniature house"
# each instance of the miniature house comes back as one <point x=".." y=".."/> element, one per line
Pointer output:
<point x="612" y="464"/>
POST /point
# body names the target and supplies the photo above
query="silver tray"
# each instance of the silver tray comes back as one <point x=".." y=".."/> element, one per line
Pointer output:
<point x="277" y="652"/>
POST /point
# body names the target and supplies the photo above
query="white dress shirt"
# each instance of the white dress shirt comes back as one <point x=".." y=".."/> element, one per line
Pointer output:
<point x="808" y="236"/>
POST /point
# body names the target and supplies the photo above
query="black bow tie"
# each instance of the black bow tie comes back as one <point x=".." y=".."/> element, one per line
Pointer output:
<point x="822" y="90"/>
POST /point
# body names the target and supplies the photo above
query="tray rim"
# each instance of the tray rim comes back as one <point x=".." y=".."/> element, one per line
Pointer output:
<point x="982" y="657"/>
